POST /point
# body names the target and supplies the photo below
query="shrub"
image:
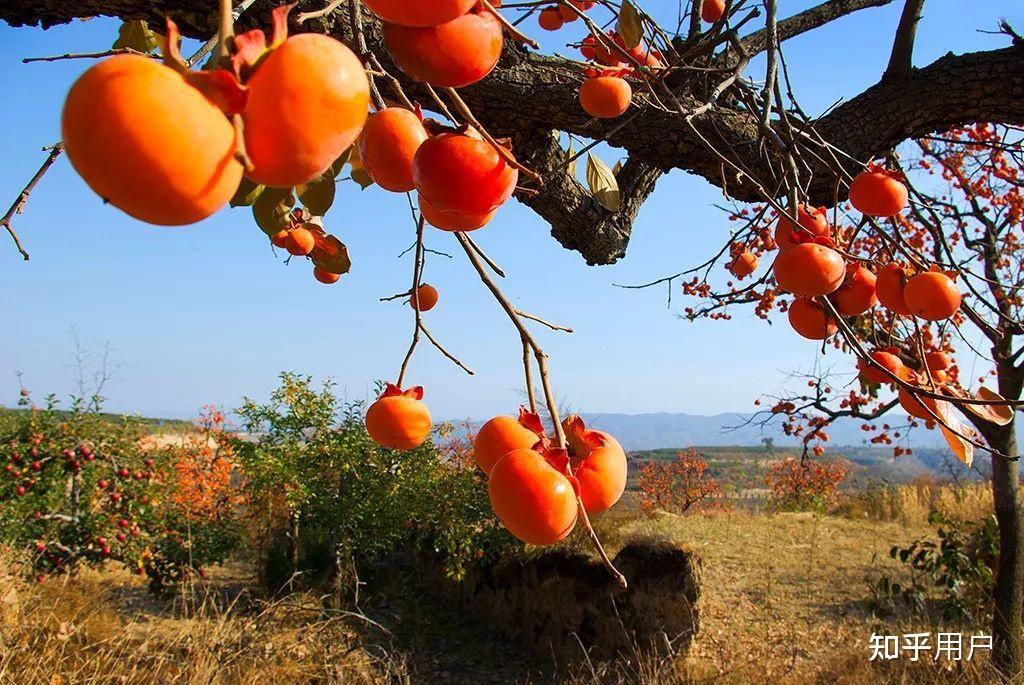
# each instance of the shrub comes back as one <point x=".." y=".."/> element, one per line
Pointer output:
<point x="801" y="485"/>
<point x="331" y="498"/>
<point x="678" y="485"/>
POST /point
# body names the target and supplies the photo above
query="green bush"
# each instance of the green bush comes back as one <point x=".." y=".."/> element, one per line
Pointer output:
<point x="328" y="496"/>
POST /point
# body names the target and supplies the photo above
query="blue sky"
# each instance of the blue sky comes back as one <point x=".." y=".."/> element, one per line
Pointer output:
<point x="207" y="314"/>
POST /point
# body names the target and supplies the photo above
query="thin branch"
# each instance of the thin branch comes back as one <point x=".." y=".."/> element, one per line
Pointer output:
<point x="19" y="203"/>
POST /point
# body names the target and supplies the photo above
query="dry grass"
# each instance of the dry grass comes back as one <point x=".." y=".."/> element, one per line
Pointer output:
<point x="104" y="628"/>
<point x="911" y="504"/>
<point x="783" y="600"/>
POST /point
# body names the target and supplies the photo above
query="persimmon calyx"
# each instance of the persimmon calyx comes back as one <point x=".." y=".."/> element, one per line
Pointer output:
<point x="219" y="86"/>
<point x="531" y="421"/>
<point x="251" y="47"/>
<point x="392" y="390"/>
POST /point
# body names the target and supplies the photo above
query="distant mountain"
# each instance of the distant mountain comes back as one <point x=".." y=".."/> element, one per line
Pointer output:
<point x="653" y="431"/>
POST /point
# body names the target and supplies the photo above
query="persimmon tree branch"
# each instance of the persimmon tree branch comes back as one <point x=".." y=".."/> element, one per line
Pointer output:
<point x="902" y="59"/>
<point x="19" y="202"/>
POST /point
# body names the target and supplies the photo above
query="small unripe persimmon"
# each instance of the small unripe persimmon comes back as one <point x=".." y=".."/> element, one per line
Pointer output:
<point x="426" y="295"/>
<point x="300" y="242"/>
<point x="387" y="146"/>
<point x="605" y="97"/>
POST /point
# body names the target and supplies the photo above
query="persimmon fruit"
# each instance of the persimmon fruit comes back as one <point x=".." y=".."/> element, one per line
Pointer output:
<point x="451" y="55"/>
<point x="932" y="295"/>
<point x="325" y="276"/>
<point x="813" y="223"/>
<point x="937" y="360"/>
<point x="453" y="221"/>
<point x="535" y="501"/>
<point x="857" y="294"/>
<point x="399" y="419"/>
<point x="498" y="437"/>
<point x="598" y="463"/>
<point x="308" y="102"/>
<point x="810" y="320"/>
<point x="300" y="242"/>
<point x="878" y="192"/>
<point x="886" y="360"/>
<point x="712" y="10"/>
<point x="150" y="143"/>
<point x="743" y="264"/>
<point x="455" y="172"/>
<point x="280" y="239"/>
<point x="427" y="295"/>
<point x="387" y="146"/>
<point x="889" y="288"/>
<point x="550" y="19"/>
<point x="432" y="13"/>
<point x="809" y="270"/>
<point x="605" y="97"/>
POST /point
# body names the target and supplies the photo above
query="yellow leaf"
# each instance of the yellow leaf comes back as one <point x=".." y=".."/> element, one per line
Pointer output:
<point x="631" y="26"/>
<point x="602" y="184"/>
<point x="962" y="448"/>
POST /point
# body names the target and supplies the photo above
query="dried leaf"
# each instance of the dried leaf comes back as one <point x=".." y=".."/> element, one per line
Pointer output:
<point x="247" y="193"/>
<point x="137" y="35"/>
<point x="271" y="209"/>
<point x="617" y="168"/>
<point x="330" y="254"/>
<point x="963" y="449"/>
<point x="318" y="195"/>
<point x="1000" y="415"/>
<point x="631" y="26"/>
<point x="602" y="183"/>
<point x="570" y="167"/>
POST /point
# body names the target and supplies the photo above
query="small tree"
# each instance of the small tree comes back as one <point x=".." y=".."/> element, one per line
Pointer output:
<point x="798" y="485"/>
<point x="677" y="486"/>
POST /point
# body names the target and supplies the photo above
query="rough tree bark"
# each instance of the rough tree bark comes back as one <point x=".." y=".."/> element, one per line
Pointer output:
<point x="529" y="97"/>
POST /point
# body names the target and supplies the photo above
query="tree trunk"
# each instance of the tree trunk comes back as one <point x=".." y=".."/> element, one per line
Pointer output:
<point x="293" y="549"/>
<point x="1008" y="651"/>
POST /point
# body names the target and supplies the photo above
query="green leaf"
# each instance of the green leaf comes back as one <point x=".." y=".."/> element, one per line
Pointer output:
<point x="603" y="185"/>
<point x="339" y="163"/>
<point x="248" y="192"/>
<point x="271" y="209"/>
<point x="137" y="35"/>
<point x="318" y="195"/>
<point x="631" y="26"/>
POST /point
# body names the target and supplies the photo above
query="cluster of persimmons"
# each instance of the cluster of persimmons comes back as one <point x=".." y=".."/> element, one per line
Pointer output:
<point x="535" y="488"/>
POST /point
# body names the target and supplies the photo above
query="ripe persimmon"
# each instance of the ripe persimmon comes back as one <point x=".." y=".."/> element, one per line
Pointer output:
<point x="550" y="18"/>
<point x="453" y="221"/>
<point x="421" y="14"/>
<point x="937" y="360"/>
<point x="387" y="146"/>
<point x="534" y="500"/>
<point x="878" y="192"/>
<point x="915" y="406"/>
<point x="932" y="295"/>
<point x="150" y="143"/>
<point x="814" y="223"/>
<point x="300" y="242"/>
<point x="712" y="10"/>
<point x="325" y="276"/>
<point x="857" y="294"/>
<point x="427" y="296"/>
<point x="399" y="419"/>
<point x="890" y="286"/>
<point x="809" y="270"/>
<point x="598" y="463"/>
<point x="887" y="360"/>
<point x="743" y="264"/>
<point x="454" y="54"/>
<point x="308" y="101"/>
<point x="605" y="97"/>
<point x="456" y="172"/>
<point x="502" y="435"/>
<point x="280" y="239"/>
<point x="810" y="320"/>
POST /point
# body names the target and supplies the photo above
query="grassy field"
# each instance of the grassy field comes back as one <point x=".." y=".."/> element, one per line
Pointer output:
<point x="784" y="599"/>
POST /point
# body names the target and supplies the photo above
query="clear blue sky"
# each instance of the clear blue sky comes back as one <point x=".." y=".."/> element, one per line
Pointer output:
<point x="206" y="314"/>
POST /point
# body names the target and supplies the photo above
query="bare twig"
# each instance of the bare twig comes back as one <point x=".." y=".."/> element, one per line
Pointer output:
<point x="19" y="203"/>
